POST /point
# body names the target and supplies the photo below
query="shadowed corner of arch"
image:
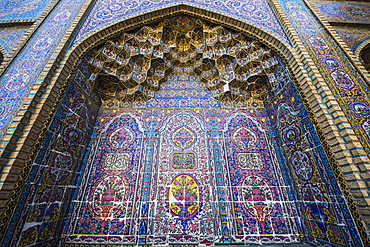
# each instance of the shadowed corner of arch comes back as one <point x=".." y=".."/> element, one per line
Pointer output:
<point x="365" y="57"/>
<point x="2" y="55"/>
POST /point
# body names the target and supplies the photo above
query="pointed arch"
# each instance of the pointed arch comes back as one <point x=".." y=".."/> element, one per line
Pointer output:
<point x="79" y="49"/>
<point x="363" y="54"/>
<point x="358" y="48"/>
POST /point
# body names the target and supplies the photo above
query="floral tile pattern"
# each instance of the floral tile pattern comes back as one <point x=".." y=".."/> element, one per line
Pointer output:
<point x="344" y="11"/>
<point x="9" y="37"/>
<point x="20" y="76"/>
<point x="106" y="12"/>
<point x="13" y="10"/>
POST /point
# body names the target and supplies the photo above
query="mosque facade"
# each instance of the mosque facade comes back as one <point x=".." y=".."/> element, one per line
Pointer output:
<point x="193" y="122"/>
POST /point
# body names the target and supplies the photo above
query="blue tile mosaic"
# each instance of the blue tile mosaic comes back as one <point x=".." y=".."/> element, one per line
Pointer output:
<point x="344" y="11"/>
<point x="14" y="10"/>
<point x="106" y="12"/>
<point x="9" y="37"/>
<point x="27" y="66"/>
<point x="345" y="82"/>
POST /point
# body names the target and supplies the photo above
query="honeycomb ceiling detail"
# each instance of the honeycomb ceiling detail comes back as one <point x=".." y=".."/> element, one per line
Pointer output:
<point x="134" y="65"/>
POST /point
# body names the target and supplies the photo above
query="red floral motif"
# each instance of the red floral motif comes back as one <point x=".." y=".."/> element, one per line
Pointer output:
<point x="109" y="197"/>
<point x="122" y="137"/>
<point x="256" y="195"/>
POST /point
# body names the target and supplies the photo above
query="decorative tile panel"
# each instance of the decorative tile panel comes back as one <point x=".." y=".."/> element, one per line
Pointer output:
<point x="249" y="161"/>
<point x="344" y="81"/>
<point x="184" y="184"/>
<point x="116" y="161"/>
<point x="10" y="36"/>
<point x="30" y="62"/>
<point x="183" y="161"/>
<point x="107" y="12"/>
<point x="15" y="10"/>
<point x="353" y="36"/>
<point x="58" y="166"/>
<point x="344" y="11"/>
<point x="305" y="166"/>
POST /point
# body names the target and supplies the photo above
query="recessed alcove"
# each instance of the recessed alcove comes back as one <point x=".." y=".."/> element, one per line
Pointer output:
<point x="183" y="132"/>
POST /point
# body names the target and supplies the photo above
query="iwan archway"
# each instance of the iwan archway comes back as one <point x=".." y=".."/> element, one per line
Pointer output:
<point x="182" y="131"/>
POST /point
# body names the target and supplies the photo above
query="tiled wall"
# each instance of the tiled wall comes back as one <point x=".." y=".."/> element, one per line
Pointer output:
<point x="22" y="9"/>
<point x="57" y="169"/>
<point x="137" y="185"/>
<point x="188" y="172"/>
<point x="306" y="168"/>
<point x="195" y="174"/>
<point x="10" y="36"/>
<point x="344" y="11"/>
<point x="354" y="37"/>
<point x="198" y="175"/>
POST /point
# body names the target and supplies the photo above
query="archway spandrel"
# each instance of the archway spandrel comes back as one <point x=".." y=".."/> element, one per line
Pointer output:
<point x="258" y="13"/>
